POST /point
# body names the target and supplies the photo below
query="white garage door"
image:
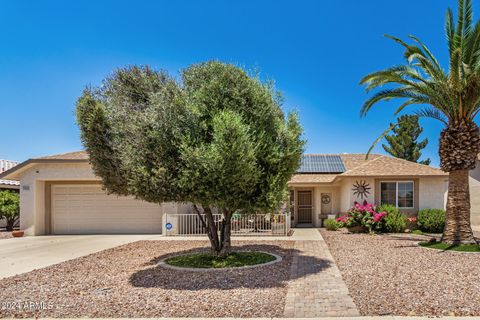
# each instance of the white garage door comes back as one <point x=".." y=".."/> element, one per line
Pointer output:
<point x="87" y="209"/>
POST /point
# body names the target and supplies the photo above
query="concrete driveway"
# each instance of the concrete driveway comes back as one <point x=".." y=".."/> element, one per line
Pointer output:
<point x="20" y="255"/>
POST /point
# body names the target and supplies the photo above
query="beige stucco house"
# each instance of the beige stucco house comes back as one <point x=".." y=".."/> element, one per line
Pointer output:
<point x="61" y="195"/>
<point x="331" y="184"/>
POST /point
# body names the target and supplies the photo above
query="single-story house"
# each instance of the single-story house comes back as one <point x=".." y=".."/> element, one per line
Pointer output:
<point x="475" y="195"/>
<point x="11" y="185"/>
<point x="331" y="184"/>
<point x="60" y="194"/>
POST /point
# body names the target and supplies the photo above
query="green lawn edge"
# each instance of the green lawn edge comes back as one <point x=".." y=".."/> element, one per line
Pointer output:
<point x="233" y="260"/>
<point x="451" y="247"/>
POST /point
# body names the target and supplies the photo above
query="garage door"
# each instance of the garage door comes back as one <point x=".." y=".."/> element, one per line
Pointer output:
<point x="87" y="209"/>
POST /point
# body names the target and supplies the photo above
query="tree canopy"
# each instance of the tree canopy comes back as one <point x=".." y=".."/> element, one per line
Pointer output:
<point x="217" y="139"/>
<point x="403" y="143"/>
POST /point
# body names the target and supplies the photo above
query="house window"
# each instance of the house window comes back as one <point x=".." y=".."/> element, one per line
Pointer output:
<point x="398" y="193"/>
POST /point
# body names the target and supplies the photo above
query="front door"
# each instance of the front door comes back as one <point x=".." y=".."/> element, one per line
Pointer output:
<point x="305" y="206"/>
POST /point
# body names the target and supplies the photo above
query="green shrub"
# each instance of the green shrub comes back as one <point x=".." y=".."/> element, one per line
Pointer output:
<point x="331" y="224"/>
<point x="395" y="221"/>
<point x="417" y="232"/>
<point x="9" y="208"/>
<point x="431" y="220"/>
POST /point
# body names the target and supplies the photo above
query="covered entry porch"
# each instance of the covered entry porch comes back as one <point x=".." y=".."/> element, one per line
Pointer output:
<point x="311" y="205"/>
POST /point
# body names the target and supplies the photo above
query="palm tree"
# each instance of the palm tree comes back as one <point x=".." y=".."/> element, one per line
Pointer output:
<point x="451" y="97"/>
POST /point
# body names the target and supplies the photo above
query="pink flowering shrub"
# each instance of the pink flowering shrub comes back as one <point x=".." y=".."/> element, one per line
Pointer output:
<point x="364" y="215"/>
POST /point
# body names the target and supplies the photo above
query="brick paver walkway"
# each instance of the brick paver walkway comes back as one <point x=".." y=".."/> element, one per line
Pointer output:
<point x="316" y="288"/>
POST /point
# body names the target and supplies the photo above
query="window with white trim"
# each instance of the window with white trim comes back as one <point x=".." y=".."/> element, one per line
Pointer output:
<point x="397" y="193"/>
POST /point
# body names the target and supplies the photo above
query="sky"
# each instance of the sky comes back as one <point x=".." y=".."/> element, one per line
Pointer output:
<point x="315" y="51"/>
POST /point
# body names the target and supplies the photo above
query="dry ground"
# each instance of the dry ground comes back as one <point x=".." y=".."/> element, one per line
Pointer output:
<point x="5" y="234"/>
<point x="391" y="275"/>
<point x="125" y="282"/>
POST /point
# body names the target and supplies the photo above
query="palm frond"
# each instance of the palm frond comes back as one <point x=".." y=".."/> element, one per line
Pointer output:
<point x="429" y="112"/>
<point x="468" y="17"/>
<point x="383" y="135"/>
<point x="450" y="30"/>
<point x="429" y="54"/>
<point x="387" y="94"/>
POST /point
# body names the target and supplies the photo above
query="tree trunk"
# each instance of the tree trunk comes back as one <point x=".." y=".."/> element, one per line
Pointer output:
<point x="220" y="244"/>
<point x="459" y="148"/>
<point x="457" y="225"/>
<point x="225" y="234"/>
<point x="212" y="232"/>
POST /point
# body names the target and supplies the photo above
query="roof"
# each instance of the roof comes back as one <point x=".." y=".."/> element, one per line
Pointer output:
<point x="313" y="178"/>
<point x="389" y="166"/>
<point x="77" y="155"/>
<point x="9" y="183"/>
<point x="4" y="166"/>
<point x="69" y="157"/>
<point x="357" y="165"/>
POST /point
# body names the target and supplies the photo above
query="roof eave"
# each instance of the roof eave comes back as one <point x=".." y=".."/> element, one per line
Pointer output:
<point x="15" y="172"/>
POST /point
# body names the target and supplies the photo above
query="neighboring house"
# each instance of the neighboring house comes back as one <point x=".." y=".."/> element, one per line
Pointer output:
<point x="331" y="184"/>
<point x="61" y="195"/>
<point x="475" y="195"/>
<point x="8" y="184"/>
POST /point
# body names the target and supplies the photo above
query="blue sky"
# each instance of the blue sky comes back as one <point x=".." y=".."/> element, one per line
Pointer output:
<point x="316" y="51"/>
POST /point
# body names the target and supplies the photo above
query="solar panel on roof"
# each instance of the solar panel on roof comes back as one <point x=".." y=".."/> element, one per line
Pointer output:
<point x="321" y="164"/>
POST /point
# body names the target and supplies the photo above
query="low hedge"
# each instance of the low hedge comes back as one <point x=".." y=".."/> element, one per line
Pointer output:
<point x="331" y="224"/>
<point x="431" y="220"/>
<point x="394" y="221"/>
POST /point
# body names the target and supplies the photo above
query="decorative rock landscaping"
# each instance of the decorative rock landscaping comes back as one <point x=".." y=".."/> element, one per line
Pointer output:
<point x="126" y="282"/>
<point x="392" y="275"/>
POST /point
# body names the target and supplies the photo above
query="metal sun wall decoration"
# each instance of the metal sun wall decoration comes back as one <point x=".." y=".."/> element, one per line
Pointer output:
<point x="361" y="189"/>
<point x="325" y="199"/>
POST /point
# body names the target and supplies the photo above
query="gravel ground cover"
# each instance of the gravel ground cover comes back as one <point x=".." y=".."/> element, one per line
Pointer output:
<point x="126" y="282"/>
<point x="391" y="275"/>
<point x="5" y="234"/>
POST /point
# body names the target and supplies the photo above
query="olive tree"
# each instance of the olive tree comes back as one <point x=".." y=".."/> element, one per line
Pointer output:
<point x="217" y="139"/>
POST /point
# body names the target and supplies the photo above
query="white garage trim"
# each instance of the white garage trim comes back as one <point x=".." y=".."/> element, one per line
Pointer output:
<point x="84" y="208"/>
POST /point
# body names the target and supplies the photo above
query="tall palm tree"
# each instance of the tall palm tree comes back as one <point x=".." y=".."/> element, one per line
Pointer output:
<point x="451" y="97"/>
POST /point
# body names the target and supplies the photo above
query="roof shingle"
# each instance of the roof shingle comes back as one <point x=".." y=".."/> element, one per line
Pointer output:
<point x="77" y="155"/>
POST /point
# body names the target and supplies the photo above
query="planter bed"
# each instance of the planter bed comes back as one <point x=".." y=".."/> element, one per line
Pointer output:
<point x="126" y="282"/>
<point x="392" y="275"/>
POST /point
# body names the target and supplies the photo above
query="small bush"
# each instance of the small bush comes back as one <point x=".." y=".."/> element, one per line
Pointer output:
<point x="417" y="232"/>
<point x="331" y="224"/>
<point x="363" y="215"/>
<point x="431" y="220"/>
<point x="394" y="221"/>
